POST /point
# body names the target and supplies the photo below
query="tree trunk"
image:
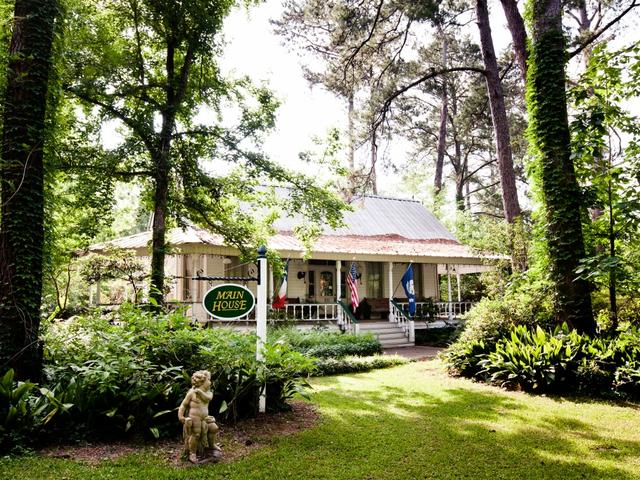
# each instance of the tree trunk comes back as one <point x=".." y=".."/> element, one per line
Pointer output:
<point x="373" y="181"/>
<point x="613" y="302"/>
<point x="351" y="135"/>
<point x="550" y="143"/>
<point x="158" y="245"/>
<point x="22" y="187"/>
<point x="510" y="203"/>
<point x="444" y="113"/>
<point x="515" y="23"/>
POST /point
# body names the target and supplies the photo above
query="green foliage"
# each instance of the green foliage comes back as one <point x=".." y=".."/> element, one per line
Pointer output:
<point x="605" y="139"/>
<point x="559" y="361"/>
<point x="437" y="337"/>
<point x="127" y="373"/>
<point x="16" y="420"/>
<point x="190" y="137"/>
<point x="526" y="303"/>
<point x="24" y="411"/>
<point x="553" y="170"/>
<point x="114" y="264"/>
<point x="325" y="344"/>
<point x="336" y="366"/>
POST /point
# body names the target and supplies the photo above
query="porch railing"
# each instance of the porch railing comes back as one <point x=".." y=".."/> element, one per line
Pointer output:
<point x="398" y="314"/>
<point x="453" y="310"/>
<point x="346" y="319"/>
<point x="304" y="312"/>
<point x="432" y="311"/>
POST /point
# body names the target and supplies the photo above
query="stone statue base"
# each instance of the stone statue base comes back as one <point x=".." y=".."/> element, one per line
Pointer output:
<point x="206" y="455"/>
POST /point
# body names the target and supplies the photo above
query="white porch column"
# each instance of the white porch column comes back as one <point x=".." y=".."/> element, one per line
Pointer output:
<point x="458" y="276"/>
<point x="449" y="292"/>
<point x="390" y="288"/>
<point x="205" y="266"/>
<point x="338" y="279"/>
<point x="179" y="275"/>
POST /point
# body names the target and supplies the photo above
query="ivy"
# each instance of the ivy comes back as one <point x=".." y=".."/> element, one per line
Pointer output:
<point x="553" y="170"/>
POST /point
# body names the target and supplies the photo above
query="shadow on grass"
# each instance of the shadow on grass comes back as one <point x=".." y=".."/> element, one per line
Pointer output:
<point x="397" y="425"/>
<point x="462" y="433"/>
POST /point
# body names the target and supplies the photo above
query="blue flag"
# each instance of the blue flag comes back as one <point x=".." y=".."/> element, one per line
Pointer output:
<point x="409" y="291"/>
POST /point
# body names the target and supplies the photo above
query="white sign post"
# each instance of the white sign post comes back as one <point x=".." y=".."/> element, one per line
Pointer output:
<point x="261" y="319"/>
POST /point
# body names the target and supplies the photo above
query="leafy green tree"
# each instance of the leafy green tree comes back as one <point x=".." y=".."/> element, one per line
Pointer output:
<point x="22" y="185"/>
<point x="554" y="170"/>
<point x="151" y="65"/>
<point x="606" y="148"/>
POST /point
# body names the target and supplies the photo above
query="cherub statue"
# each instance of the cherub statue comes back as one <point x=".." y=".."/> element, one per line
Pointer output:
<point x="199" y="428"/>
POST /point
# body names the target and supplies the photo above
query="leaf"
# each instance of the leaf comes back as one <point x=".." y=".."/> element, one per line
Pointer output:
<point x="163" y="412"/>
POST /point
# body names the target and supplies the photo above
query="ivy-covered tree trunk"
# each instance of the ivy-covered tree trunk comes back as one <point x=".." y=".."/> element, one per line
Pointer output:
<point x="510" y="203"/>
<point x="550" y="143"/>
<point x="22" y="186"/>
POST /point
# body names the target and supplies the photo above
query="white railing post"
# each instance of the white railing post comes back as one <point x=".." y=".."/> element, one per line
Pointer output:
<point x="449" y="293"/>
<point x="412" y="331"/>
<point x="390" y="288"/>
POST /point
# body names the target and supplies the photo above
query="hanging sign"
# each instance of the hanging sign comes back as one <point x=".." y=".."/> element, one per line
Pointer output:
<point x="228" y="301"/>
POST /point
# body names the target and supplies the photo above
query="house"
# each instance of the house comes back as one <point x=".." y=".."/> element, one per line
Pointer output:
<point x="382" y="236"/>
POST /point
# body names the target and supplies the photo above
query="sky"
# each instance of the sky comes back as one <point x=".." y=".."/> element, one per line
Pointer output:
<point x="254" y="49"/>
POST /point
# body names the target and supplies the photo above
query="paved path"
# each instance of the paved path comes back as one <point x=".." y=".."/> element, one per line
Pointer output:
<point x="414" y="353"/>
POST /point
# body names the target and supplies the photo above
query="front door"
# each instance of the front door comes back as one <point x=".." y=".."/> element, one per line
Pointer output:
<point x="321" y="283"/>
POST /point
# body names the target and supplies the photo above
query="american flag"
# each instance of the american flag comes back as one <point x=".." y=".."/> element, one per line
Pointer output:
<point x="351" y="281"/>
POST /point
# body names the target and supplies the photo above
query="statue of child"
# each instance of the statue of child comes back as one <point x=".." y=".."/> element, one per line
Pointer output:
<point x="199" y="428"/>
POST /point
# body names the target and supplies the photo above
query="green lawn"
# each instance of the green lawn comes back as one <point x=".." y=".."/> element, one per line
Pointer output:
<point x="412" y="422"/>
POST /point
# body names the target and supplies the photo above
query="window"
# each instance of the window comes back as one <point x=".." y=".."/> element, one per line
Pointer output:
<point x="326" y="284"/>
<point x="374" y="280"/>
<point x="311" y="283"/>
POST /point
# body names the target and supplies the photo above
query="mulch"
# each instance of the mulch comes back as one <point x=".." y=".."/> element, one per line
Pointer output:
<point x="236" y="441"/>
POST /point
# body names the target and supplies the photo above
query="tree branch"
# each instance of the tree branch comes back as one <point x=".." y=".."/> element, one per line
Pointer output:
<point x="427" y="76"/>
<point x="593" y="37"/>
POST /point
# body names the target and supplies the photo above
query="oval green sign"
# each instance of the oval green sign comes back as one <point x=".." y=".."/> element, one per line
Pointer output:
<point x="228" y="301"/>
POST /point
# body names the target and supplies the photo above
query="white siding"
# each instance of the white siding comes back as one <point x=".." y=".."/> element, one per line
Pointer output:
<point x="430" y="276"/>
<point x="297" y="287"/>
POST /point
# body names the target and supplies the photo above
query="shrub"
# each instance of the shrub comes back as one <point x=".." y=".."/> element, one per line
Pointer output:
<point x="325" y="344"/>
<point x="532" y="360"/>
<point x="128" y="372"/>
<point x="24" y="410"/>
<point x="336" y="366"/>
<point x="493" y="319"/>
<point x="437" y="337"/>
<point x="561" y="361"/>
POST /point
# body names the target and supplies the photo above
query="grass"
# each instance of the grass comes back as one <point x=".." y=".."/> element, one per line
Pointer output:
<point x="411" y="422"/>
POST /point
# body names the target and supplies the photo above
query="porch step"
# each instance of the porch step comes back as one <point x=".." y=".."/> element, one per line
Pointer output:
<point x="389" y="334"/>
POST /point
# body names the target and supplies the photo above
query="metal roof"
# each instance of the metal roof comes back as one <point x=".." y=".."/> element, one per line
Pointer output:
<point x="378" y="226"/>
<point x="375" y="215"/>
